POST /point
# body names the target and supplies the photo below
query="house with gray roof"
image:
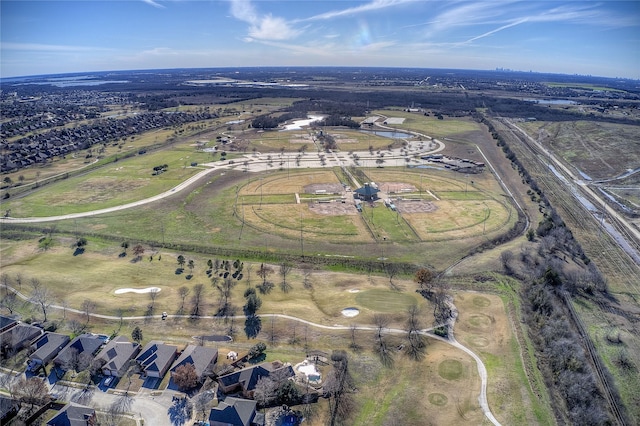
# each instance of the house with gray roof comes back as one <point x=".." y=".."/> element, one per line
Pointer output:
<point x="74" y="415"/>
<point x="115" y="356"/>
<point x="202" y="358"/>
<point x="46" y="348"/>
<point x="245" y="380"/>
<point x="17" y="338"/>
<point x="6" y="323"/>
<point x="9" y="408"/>
<point x="85" y="345"/>
<point x="156" y="358"/>
<point x="235" y="412"/>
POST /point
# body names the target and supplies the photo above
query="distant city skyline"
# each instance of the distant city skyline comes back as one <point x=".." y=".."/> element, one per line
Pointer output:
<point x="588" y="38"/>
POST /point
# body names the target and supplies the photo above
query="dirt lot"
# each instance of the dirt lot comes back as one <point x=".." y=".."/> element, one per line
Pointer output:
<point x="419" y="206"/>
<point x="397" y="187"/>
<point x="334" y="208"/>
<point x="329" y="188"/>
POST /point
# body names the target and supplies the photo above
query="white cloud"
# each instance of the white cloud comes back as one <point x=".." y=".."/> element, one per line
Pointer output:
<point x="154" y="4"/>
<point x="272" y="28"/>
<point x="267" y="27"/>
<point x="39" y="47"/>
<point x="374" y="5"/>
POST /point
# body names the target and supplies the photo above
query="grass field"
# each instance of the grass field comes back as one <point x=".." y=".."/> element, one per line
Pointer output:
<point x="430" y="126"/>
<point x="443" y="386"/>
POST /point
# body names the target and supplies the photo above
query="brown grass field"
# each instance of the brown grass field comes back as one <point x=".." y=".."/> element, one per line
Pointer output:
<point x="443" y="387"/>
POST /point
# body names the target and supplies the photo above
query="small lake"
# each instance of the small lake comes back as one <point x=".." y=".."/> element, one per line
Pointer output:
<point x="552" y="101"/>
<point x="388" y="134"/>
<point x="299" y="124"/>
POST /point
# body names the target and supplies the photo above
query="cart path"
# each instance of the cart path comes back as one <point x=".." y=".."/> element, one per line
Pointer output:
<point x="482" y="370"/>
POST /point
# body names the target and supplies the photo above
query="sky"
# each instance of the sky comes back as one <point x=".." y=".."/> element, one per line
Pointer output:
<point x="569" y="37"/>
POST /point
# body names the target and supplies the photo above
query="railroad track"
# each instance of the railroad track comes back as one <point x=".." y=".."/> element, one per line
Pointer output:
<point x="580" y="220"/>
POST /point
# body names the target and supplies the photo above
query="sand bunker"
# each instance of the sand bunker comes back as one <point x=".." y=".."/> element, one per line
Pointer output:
<point x="137" y="290"/>
<point x="354" y="290"/>
<point x="350" y="312"/>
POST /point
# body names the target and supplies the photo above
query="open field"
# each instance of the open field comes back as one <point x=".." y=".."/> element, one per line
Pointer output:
<point x="296" y="140"/>
<point x="582" y="144"/>
<point x="117" y="183"/>
<point x="443" y="386"/>
<point x="430" y="126"/>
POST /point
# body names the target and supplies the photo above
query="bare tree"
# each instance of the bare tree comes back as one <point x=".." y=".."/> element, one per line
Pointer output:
<point x="506" y="257"/>
<point x="185" y="376"/>
<point x="306" y="277"/>
<point x="41" y="296"/>
<point x="5" y="280"/>
<point x="338" y="387"/>
<point x="285" y="268"/>
<point x="225" y="290"/>
<point x="201" y="403"/>
<point x="87" y="307"/>
<point x="263" y="272"/>
<point x="381" y="346"/>
<point x="265" y="391"/>
<point x="441" y="305"/>
<point x="417" y="342"/>
<point x="9" y="301"/>
<point x="153" y="295"/>
<point x="32" y="391"/>
<point x="19" y="280"/>
<point x="183" y="292"/>
<point x="392" y="270"/>
<point x="196" y="300"/>
<point x="77" y="327"/>
<point x="354" y="344"/>
<point x="77" y="361"/>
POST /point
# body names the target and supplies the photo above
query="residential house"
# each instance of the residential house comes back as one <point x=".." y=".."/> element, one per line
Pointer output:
<point x="235" y="412"/>
<point x="45" y="348"/>
<point x="17" y="338"/>
<point x="115" y="356"/>
<point x="156" y="358"/>
<point x="245" y="380"/>
<point x="9" y="408"/>
<point x="202" y="358"/>
<point x="6" y="323"/>
<point x="74" y="415"/>
<point x="85" y="346"/>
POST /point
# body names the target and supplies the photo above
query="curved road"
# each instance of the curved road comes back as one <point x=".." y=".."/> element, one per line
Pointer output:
<point x="482" y="370"/>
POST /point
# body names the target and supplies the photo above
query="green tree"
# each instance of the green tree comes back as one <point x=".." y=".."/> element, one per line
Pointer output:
<point x="288" y="393"/>
<point x="181" y="261"/>
<point x="136" y="334"/>
<point x="256" y="350"/>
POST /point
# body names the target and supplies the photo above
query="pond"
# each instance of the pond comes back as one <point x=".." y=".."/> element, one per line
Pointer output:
<point x="299" y="124"/>
<point x="552" y="101"/>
